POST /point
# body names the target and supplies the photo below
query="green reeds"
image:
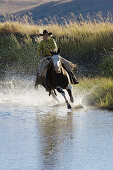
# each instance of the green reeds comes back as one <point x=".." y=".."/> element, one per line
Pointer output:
<point x="96" y="92"/>
<point x="107" y="65"/>
<point x="18" y="55"/>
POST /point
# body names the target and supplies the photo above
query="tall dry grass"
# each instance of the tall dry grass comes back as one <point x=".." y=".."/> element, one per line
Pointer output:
<point x="85" y="40"/>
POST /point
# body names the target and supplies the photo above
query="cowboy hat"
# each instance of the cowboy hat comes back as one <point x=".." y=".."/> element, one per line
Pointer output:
<point x="46" y="32"/>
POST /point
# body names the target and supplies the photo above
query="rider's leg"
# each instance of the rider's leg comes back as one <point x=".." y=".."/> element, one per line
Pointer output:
<point x="71" y="75"/>
<point x="74" y="80"/>
<point x="41" y="67"/>
<point x="68" y="66"/>
<point x="39" y="71"/>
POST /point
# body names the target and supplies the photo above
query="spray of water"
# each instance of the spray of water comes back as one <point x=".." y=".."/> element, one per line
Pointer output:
<point x="20" y="90"/>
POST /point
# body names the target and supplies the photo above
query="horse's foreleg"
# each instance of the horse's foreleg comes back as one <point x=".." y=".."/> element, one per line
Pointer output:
<point x="63" y="94"/>
<point x="54" y="95"/>
<point x="69" y="90"/>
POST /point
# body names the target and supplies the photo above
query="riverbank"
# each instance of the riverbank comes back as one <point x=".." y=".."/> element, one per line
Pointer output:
<point x="97" y="92"/>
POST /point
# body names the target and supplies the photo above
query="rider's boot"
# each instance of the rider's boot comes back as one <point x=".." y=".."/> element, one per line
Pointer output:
<point x="73" y="78"/>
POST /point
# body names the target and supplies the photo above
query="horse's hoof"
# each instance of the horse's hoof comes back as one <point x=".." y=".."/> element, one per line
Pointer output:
<point x="50" y="93"/>
<point x="72" y="100"/>
<point x="68" y="106"/>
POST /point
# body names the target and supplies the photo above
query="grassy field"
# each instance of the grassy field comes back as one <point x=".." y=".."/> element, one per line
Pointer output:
<point x="96" y="92"/>
<point x="85" y="42"/>
<point x="85" y="39"/>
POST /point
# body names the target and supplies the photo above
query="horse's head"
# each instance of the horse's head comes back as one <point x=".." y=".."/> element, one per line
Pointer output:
<point x="56" y="61"/>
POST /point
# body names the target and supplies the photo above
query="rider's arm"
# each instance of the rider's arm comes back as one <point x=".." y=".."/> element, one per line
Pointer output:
<point x="54" y="45"/>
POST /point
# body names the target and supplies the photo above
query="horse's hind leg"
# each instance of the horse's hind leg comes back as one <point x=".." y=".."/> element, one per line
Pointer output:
<point x="69" y="90"/>
<point x="55" y="93"/>
<point x="63" y="94"/>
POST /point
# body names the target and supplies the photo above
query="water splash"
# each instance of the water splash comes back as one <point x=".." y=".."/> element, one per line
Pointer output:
<point x="20" y="90"/>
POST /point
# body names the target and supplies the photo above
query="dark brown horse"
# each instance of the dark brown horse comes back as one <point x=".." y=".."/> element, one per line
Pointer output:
<point x="58" y="78"/>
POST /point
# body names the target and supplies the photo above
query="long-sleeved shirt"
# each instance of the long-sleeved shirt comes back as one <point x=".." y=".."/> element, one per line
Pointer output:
<point x="46" y="46"/>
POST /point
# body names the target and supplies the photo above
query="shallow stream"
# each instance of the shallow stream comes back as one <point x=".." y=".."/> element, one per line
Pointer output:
<point x="38" y="134"/>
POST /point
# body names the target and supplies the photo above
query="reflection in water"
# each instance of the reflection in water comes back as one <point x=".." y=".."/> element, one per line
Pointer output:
<point x="54" y="130"/>
<point x="52" y="139"/>
<point x="77" y="140"/>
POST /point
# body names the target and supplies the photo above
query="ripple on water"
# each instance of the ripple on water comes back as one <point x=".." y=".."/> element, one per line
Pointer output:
<point x="36" y="133"/>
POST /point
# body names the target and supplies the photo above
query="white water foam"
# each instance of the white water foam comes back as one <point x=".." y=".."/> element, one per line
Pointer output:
<point x="20" y="90"/>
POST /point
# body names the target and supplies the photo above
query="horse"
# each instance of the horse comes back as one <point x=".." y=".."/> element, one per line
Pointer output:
<point x="58" y="78"/>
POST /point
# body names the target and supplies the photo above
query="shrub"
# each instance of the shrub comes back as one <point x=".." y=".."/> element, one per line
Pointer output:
<point x="107" y="66"/>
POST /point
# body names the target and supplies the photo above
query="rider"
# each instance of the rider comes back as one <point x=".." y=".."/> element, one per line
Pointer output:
<point x="47" y="45"/>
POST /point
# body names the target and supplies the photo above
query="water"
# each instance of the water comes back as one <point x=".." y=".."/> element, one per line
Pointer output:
<point x="38" y="134"/>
